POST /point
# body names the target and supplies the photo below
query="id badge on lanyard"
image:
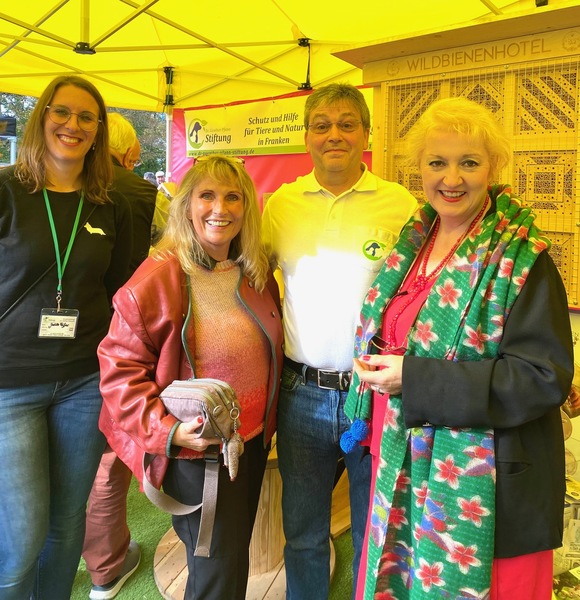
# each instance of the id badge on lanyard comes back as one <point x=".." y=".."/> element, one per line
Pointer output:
<point x="60" y="322"/>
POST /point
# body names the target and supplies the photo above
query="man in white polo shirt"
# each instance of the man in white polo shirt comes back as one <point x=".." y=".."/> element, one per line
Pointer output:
<point x="329" y="233"/>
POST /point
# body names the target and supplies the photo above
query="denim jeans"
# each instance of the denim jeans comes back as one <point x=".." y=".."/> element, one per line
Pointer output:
<point x="310" y="423"/>
<point x="50" y="447"/>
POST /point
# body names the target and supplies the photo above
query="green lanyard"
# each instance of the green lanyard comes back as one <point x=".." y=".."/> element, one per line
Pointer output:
<point x="62" y="266"/>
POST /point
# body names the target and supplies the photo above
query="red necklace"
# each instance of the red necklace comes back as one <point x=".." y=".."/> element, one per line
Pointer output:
<point x="423" y="279"/>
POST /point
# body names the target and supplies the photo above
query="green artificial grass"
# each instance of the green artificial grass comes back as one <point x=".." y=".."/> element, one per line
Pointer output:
<point x="148" y="525"/>
<point x="341" y="584"/>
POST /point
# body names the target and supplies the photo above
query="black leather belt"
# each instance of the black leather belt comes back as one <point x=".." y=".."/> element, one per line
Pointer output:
<point x="323" y="378"/>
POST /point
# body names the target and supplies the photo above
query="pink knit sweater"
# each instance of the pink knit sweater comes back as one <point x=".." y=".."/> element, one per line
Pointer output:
<point x="229" y="343"/>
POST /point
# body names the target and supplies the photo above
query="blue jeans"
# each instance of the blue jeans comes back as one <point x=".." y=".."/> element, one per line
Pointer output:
<point x="310" y="423"/>
<point x="50" y="447"/>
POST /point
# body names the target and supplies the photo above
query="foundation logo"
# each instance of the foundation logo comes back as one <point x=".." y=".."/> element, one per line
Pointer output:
<point x="373" y="249"/>
<point x="193" y="133"/>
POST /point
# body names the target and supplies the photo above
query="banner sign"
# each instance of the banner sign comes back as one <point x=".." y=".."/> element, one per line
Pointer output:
<point x="253" y="128"/>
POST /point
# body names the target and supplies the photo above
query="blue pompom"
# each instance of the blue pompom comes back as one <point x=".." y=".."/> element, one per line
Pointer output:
<point x="347" y="442"/>
<point x="359" y="430"/>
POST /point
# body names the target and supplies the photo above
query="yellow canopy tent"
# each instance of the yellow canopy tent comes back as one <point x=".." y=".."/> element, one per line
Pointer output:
<point x="156" y="54"/>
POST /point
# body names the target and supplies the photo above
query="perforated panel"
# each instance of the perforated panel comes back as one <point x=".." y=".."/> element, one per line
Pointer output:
<point x="547" y="100"/>
<point x="537" y="104"/>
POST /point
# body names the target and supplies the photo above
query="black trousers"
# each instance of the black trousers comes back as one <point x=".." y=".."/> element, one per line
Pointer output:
<point x="224" y="575"/>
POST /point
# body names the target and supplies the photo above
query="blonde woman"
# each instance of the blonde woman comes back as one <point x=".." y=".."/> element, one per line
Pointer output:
<point x="463" y="358"/>
<point x="212" y="239"/>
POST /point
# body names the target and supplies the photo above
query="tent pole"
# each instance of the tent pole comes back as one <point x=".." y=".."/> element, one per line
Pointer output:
<point x="85" y="12"/>
<point x="168" y="144"/>
<point x="168" y="110"/>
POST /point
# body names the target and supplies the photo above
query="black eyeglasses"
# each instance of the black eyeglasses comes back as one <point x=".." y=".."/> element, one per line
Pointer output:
<point x="87" y="121"/>
<point x="321" y="127"/>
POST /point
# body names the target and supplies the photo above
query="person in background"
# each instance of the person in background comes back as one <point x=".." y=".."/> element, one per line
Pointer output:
<point x="150" y="177"/>
<point x="167" y="188"/>
<point x="463" y="357"/>
<point x="161" y="209"/>
<point x="211" y="245"/>
<point x="125" y="152"/>
<point x="160" y="216"/>
<point x="328" y="232"/>
<point x="110" y="555"/>
<point x="64" y="251"/>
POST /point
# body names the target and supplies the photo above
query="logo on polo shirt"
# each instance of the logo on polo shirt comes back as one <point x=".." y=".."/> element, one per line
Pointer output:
<point x="373" y="249"/>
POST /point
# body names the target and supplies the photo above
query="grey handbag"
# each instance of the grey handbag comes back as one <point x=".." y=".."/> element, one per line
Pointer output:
<point x="216" y="403"/>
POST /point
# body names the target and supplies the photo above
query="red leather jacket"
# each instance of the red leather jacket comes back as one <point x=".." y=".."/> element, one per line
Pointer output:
<point x="143" y="353"/>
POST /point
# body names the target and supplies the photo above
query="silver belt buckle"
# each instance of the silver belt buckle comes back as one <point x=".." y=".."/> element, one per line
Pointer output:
<point x="325" y="387"/>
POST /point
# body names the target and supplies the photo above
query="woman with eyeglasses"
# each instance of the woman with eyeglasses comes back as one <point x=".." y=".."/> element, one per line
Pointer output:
<point x="463" y="357"/>
<point x="65" y="243"/>
<point x="207" y="293"/>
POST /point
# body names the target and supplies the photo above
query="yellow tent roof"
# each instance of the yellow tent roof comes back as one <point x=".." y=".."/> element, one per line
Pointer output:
<point x="213" y="52"/>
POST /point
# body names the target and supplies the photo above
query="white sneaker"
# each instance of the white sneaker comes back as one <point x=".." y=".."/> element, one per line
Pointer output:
<point x="111" y="589"/>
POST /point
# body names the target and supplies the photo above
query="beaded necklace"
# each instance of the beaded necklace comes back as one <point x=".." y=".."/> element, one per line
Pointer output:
<point x="424" y="279"/>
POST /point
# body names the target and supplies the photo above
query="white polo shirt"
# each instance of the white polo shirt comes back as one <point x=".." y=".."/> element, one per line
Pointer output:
<point x="329" y="249"/>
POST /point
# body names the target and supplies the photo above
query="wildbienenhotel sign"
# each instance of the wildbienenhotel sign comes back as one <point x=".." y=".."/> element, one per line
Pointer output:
<point x="552" y="45"/>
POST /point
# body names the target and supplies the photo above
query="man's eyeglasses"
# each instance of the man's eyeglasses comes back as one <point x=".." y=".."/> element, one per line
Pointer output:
<point x="60" y="115"/>
<point x="321" y="127"/>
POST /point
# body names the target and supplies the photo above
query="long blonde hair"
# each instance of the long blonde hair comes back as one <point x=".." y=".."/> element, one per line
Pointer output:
<point x="180" y="238"/>
<point x="30" y="166"/>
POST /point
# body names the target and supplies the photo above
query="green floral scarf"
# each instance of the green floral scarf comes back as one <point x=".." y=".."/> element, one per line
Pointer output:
<point x="433" y="508"/>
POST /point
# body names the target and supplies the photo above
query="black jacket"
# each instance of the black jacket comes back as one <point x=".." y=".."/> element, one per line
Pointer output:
<point x="141" y="196"/>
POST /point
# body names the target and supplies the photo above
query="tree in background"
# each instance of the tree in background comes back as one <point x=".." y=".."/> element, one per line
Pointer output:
<point x="13" y="105"/>
<point x="150" y="128"/>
